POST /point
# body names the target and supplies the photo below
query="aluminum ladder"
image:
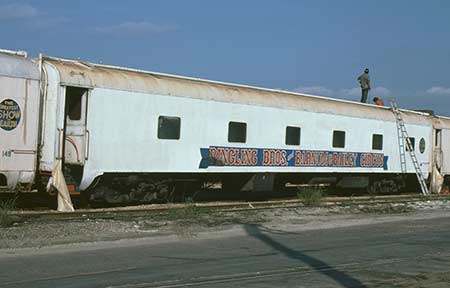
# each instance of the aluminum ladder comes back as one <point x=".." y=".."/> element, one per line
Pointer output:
<point x="403" y="138"/>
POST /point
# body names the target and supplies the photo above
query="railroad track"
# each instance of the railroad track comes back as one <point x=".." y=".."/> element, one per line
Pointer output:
<point x="145" y="210"/>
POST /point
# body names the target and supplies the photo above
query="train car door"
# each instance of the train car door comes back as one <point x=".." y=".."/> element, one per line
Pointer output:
<point x="445" y="142"/>
<point x="76" y="134"/>
<point x="438" y="149"/>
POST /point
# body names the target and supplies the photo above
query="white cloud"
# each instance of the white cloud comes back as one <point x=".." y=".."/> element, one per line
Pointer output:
<point x="314" y="90"/>
<point x="378" y="91"/>
<point x="28" y="16"/>
<point x="381" y="92"/>
<point x="439" y="90"/>
<point x="17" y="12"/>
<point x="47" y="22"/>
<point x="350" y="93"/>
<point x="136" y="28"/>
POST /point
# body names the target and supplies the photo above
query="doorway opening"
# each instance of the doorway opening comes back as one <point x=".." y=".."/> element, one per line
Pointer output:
<point x="75" y="134"/>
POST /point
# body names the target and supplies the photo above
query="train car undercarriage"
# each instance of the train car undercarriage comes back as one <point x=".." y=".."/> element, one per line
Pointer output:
<point x="128" y="188"/>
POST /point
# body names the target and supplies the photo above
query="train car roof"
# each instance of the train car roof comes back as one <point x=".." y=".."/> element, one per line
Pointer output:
<point x="16" y="64"/>
<point x="441" y="122"/>
<point x="92" y="75"/>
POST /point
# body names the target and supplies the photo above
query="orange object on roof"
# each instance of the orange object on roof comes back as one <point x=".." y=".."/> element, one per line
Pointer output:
<point x="378" y="101"/>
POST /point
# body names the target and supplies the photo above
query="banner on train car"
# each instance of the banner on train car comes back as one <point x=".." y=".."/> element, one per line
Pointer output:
<point x="215" y="156"/>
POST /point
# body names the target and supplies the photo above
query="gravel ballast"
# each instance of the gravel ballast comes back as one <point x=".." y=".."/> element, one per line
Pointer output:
<point x="190" y="222"/>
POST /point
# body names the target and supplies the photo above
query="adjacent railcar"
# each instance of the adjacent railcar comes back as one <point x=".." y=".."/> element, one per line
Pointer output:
<point x="130" y="135"/>
<point x="19" y="118"/>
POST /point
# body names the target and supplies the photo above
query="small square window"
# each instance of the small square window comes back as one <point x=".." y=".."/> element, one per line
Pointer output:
<point x="413" y="143"/>
<point x="338" y="139"/>
<point x="237" y="132"/>
<point x="293" y="135"/>
<point x="377" y="142"/>
<point x="169" y="127"/>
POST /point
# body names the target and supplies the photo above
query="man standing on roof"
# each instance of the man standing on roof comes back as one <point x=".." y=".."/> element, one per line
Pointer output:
<point x="364" y="82"/>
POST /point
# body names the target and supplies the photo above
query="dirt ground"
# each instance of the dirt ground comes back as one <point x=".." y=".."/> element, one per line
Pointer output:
<point x="191" y="221"/>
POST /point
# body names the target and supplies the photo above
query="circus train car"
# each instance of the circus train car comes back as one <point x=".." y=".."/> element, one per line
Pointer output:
<point x="19" y="118"/>
<point x="126" y="135"/>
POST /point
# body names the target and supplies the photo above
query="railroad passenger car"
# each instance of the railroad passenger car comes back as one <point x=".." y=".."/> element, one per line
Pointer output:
<point x="131" y="135"/>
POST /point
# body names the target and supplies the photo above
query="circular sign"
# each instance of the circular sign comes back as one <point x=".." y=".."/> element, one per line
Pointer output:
<point x="9" y="114"/>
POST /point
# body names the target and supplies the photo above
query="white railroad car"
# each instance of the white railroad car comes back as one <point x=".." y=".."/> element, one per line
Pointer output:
<point x="131" y="135"/>
<point x="19" y="118"/>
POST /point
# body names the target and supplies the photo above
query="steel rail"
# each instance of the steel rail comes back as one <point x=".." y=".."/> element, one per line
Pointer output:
<point x="145" y="210"/>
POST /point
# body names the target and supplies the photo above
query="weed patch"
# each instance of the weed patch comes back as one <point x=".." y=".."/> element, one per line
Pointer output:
<point x="311" y="197"/>
<point x="6" y="208"/>
<point x="190" y="212"/>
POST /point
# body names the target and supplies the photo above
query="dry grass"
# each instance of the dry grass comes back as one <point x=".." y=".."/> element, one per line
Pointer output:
<point x="6" y="217"/>
<point x="311" y="197"/>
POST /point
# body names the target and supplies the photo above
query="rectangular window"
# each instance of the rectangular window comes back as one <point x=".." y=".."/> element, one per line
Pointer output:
<point x="293" y="135"/>
<point x="169" y="127"/>
<point x="437" y="141"/>
<point x="338" y="139"/>
<point x="237" y="132"/>
<point x="74" y="102"/>
<point x="377" y="142"/>
<point x="413" y="143"/>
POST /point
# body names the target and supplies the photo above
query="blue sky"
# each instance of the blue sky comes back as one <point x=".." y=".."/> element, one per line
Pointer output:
<point x="315" y="46"/>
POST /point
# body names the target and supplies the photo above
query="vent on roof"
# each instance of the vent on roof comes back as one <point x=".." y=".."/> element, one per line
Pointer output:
<point x="17" y="53"/>
<point x="427" y="111"/>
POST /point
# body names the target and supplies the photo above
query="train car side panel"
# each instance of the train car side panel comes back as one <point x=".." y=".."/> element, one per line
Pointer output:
<point x="124" y="135"/>
<point x="19" y="118"/>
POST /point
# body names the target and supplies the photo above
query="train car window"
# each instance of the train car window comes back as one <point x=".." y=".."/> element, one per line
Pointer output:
<point x="293" y="135"/>
<point x="237" y="132"/>
<point x="422" y="145"/>
<point x="377" y="142"/>
<point x="169" y="127"/>
<point x="413" y="143"/>
<point x="338" y="139"/>
<point x="437" y="139"/>
<point x="74" y="98"/>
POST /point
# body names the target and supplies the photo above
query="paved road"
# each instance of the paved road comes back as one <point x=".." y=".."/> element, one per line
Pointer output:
<point x="399" y="254"/>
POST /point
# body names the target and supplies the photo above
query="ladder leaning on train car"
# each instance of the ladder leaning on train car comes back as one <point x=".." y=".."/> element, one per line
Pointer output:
<point x="403" y="138"/>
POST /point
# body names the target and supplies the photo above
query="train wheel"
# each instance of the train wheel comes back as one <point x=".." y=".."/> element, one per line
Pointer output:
<point x="374" y="188"/>
<point x="109" y="195"/>
<point x="383" y="187"/>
